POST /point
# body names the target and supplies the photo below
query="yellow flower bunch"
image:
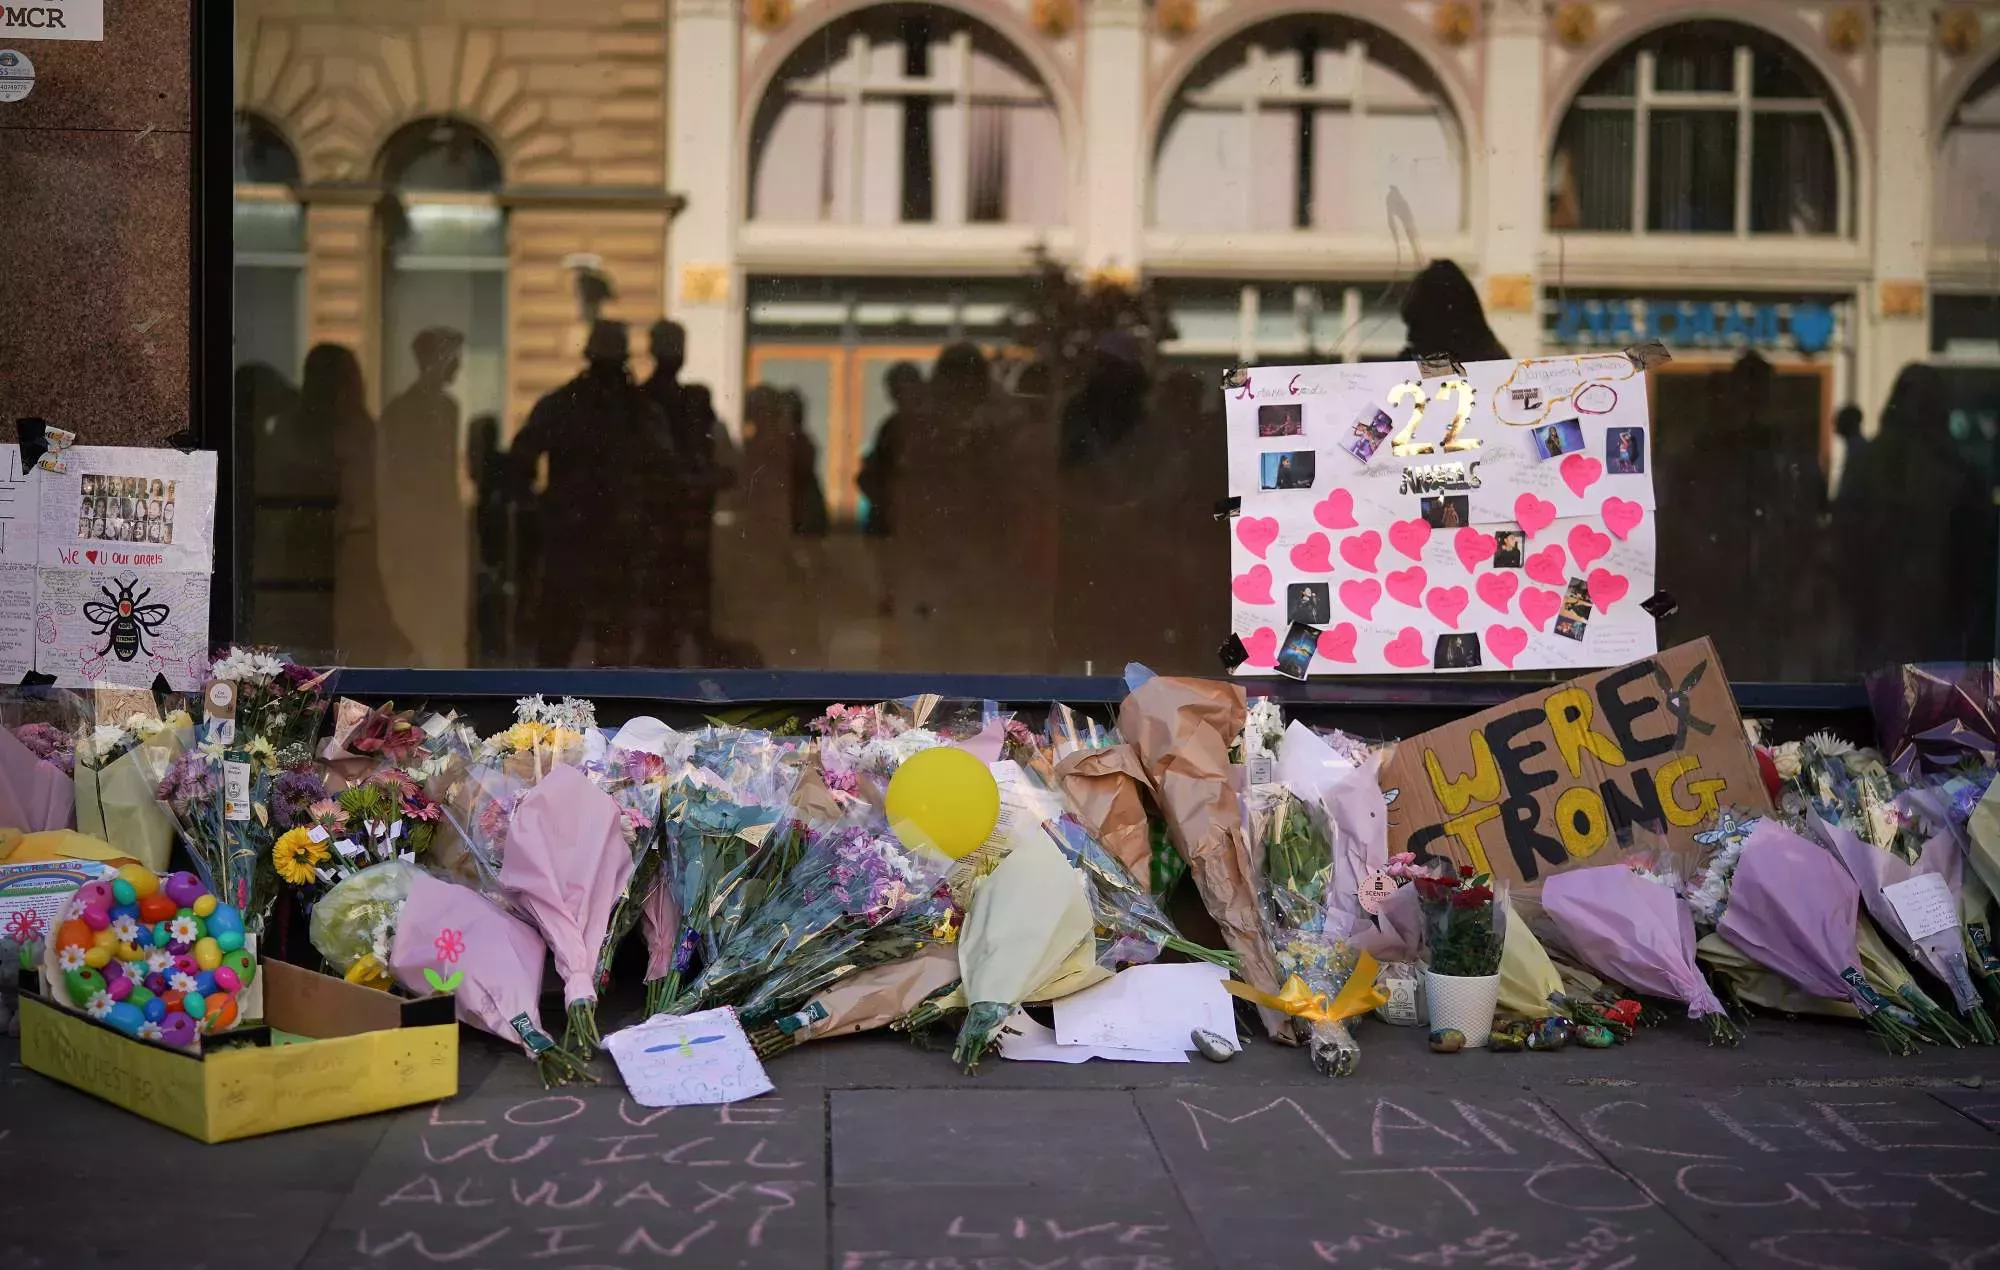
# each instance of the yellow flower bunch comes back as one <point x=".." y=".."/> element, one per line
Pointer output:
<point x="295" y="855"/>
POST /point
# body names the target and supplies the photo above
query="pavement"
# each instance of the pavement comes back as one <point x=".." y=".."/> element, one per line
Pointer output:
<point x="1807" y="1147"/>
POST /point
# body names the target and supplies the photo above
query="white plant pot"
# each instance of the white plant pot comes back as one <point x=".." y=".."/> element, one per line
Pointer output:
<point x="1464" y="1003"/>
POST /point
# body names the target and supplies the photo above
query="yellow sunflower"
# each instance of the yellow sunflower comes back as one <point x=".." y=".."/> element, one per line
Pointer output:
<point x="294" y="855"/>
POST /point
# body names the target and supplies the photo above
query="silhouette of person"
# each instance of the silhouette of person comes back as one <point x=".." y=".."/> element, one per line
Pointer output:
<point x="332" y="410"/>
<point x="493" y="580"/>
<point x="685" y="546"/>
<point x="1442" y="314"/>
<point x="263" y="398"/>
<point x="425" y="505"/>
<point x="607" y="451"/>
<point x="881" y="469"/>
<point x="1847" y="434"/>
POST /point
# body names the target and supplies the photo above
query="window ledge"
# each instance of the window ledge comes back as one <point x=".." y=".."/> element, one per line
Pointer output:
<point x="1296" y="254"/>
<point x="1719" y="261"/>
<point x="898" y="249"/>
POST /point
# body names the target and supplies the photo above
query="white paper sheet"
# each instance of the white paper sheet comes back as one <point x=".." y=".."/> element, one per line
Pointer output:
<point x="1026" y="1041"/>
<point x="1395" y="558"/>
<point x="1156" y="1007"/>
<point x="688" y="1060"/>
<point x="126" y="507"/>
<point x="1924" y="903"/>
<point x="85" y="636"/>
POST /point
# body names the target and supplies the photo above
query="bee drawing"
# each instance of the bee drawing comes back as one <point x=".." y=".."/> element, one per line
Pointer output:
<point x="125" y="620"/>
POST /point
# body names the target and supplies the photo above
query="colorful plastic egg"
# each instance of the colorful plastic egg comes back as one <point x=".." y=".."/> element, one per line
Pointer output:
<point x="122" y="892"/>
<point x="153" y="1008"/>
<point x="176" y="1001"/>
<point x="185" y="963"/>
<point x="126" y="1017"/>
<point x="74" y="933"/>
<point x="97" y="955"/>
<point x="207" y="954"/>
<point x="226" y="979"/>
<point x="156" y="908"/>
<point x="184" y="889"/>
<point x="204" y="983"/>
<point x="97" y="918"/>
<point x="193" y="1003"/>
<point x="119" y="988"/>
<point x="178" y="1030"/>
<point x="142" y="995"/>
<point x="181" y="947"/>
<point x="140" y="879"/>
<point x="221" y="1012"/>
<point x="129" y="952"/>
<point x="243" y="963"/>
<point x="83" y="984"/>
<point x="228" y="940"/>
<point x="113" y="969"/>
<point x="156" y="982"/>
<point x="124" y="910"/>
<point x="160" y="935"/>
<point x="203" y="906"/>
<point x="95" y="895"/>
<point x="224" y="918"/>
<point x="106" y="938"/>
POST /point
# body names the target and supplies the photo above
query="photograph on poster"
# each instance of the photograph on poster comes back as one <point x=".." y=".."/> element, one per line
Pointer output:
<point x="1289" y="469"/>
<point x="1446" y="511"/>
<point x="1507" y="548"/>
<point x="1625" y="451"/>
<point x="1371" y="428"/>
<point x="1456" y="651"/>
<point x="1553" y="440"/>
<point x="1281" y="419"/>
<point x="1295" y="657"/>
<point x="1309" y="602"/>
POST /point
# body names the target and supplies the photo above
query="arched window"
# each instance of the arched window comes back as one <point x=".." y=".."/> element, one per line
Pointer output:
<point x="1967" y="188"/>
<point x="1703" y="128"/>
<point x="1309" y="123"/>
<point x="908" y="114"/>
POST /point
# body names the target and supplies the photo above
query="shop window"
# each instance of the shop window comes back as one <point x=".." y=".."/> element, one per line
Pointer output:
<point x="908" y="115"/>
<point x="1967" y="188"/>
<point x="1310" y="123"/>
<point x="1703" y="128"/>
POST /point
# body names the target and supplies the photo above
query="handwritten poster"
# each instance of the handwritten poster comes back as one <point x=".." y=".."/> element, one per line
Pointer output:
<point x="122" y="626"/>
<point x="1402" y="518"/>
<point x="688" y="1060"/>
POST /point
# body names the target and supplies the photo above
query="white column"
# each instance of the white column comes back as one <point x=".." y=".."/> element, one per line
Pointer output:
<point x="1895" y="325"/>
<point x="1508" y="213"/>
<point x="1114" y="148"/>
<point x="704" y="284"/>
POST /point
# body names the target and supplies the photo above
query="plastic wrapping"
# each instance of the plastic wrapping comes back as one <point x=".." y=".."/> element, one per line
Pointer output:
<point x="1933" y="716"/>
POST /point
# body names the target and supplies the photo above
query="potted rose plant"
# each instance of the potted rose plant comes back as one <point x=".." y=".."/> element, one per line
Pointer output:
<point x="1461" y="927"/>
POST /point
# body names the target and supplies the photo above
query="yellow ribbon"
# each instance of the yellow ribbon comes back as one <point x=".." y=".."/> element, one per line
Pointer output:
<point x="1358" y="996"/>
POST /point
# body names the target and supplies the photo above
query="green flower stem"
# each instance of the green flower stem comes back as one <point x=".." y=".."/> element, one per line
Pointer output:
<point x="560" y="1067"/>
<point x="581" y="1037"/>
<point x="980" y="1033"/>
<point x="1722" y="1030"/>
<point x="1228" y="960"/>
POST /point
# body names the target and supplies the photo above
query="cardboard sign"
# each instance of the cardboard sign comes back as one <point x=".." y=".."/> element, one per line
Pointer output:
<point x="1638" y="758"/>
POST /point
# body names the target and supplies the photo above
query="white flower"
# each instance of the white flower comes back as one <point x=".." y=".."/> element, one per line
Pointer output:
<point x="1828" y="743"/>
<point x="267" y="666"/>
<point x="159" y="961"/>
<point x="1710" y="894"/>
<point x="126" y="929"/>
<point x="100" y="1005"/>
<point x="149" y="1031"/>
<point x="1787" y="759"/>
<point x="70" y="959"/>
<point x="529" y="709"/>
<point x="181" y="981"/>
<point x="183" y="930"/>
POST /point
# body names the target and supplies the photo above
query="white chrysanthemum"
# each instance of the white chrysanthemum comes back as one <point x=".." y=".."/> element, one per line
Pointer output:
<point x="181" y="981"/>
<point x="529" y="709"/>
<point x="126" y="929"/>
<point x="159" y="961"/>
<point x="70" y="958"/>
<point x="149" y="1031"/>
<point x="183" y="930"/>
<point x="1828" y="743"/>
<point x="100" y="1005"/>
<point x="265" y="666"/>
<point x="1263" y="725"/>
<point x="578" y="714"/>
<point x="1710" y="893"/>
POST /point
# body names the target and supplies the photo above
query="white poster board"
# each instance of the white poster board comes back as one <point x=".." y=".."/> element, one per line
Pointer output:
<point x="1394" y="521"/>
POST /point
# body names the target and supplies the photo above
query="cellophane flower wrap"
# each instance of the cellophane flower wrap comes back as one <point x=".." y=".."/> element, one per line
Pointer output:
<point x="1637" y="930"/>
<point x="729" y="837"/>
<point x="1028" y="926"/>
<point x="224" y="794"/>
<point x="119" y="758"/>
<point x="634" y="779"/>
<point x="450" y="934"/>
<point x="1794" y="908"/>
<point x="856" y="898"/>
<point x="1130" y="926"/>
<point x="544" y="735"/>
<point x="567" y="865"/>
<point x="37" y="757"/>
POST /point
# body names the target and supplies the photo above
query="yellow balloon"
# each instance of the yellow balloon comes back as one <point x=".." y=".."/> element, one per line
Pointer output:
<point x="944" y="798"/>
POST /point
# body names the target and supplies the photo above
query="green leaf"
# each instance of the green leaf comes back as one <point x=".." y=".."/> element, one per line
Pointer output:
<point x="439" y="983"/>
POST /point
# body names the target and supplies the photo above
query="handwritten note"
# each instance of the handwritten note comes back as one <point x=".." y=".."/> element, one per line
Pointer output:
<point x="1925" y="904"/>
<point x="1026" y="1041"/>
<point x="1148" y="1008"/>
<point x="688" y="1060"/>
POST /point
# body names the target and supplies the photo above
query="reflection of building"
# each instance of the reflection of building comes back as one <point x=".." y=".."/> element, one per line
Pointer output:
<point x="865" y="183"/>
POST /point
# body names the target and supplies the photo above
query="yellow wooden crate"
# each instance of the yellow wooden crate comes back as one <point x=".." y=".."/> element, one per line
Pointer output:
<point x="371" y="1052"/>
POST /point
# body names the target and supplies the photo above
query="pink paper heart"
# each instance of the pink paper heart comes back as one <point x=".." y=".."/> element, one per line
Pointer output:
<point x="1336" y="510"/>
<point x="1538" y="606"/>
<point x="1409" y="536"/>
<point x="1546" y="565"/>
<point x="1586" y="544"/>
<point x="1313" y="555"/>
<point x="1533" y="514"/>
<point x="1253" y="587"/>
<point x="1505" y="643"/>
<point x="1361" y="596"/>
<point x="1580" y="472"/>
<point x="1622" y="515"/>
<point x="1262" y="645"/>
<point x="1447" y="604"/>
<point x="1607" y="588"/>
<point x="1407" y="585"/>
<point x="1257" y="533"/>
<point x="1406" y="650"/>
<point x="1360" y="549"/>
<point x="1497" y="589"/>
<point x="1336" y="643"/>
<point x="1472" y="546"/>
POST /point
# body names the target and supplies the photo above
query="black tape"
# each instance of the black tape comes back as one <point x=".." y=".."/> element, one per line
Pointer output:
<point x="1235" y="377"/>
<point x="1661" y="605"/>
<point x="36" y="679"/>
<point x="161" y="691"/>
<point x="1438" y="365"/>
<point x="185" y="441"/>
<point x="1232" y="652"/>
<point x="33" y="435"/>
<point x="1648" y="355"/>
<point x="1227" y="507"/>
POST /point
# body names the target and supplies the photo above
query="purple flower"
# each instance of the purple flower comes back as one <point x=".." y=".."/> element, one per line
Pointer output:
<point x="50" y="744"/>
<point x="293" y="794"/>
<point x="188" y="780"/>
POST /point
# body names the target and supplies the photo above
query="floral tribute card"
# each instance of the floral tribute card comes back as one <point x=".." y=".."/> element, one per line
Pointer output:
<point x="1407" y="518"/>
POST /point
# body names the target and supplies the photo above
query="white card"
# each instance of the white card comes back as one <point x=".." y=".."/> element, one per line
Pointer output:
<point x="688" y="1060"/>
<point x="1924" y="904"/>
<point x="1026" y="1041"/>
<point x="1149" y="1008"/>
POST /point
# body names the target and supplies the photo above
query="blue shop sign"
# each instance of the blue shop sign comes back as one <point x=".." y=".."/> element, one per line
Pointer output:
<point x="1806" y="326"/>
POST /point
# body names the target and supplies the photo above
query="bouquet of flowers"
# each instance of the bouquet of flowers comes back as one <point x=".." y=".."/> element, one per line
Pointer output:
<point x="1028" y="937"/>
<point x="1634" y="926"/>
<point x="634" y="779"/>
<point x="117" y="764"/>
<point x="871" y="998"/>
<point x="1105" y="786"/>
<point x="860" y="747"/>
<point x="387" y="816"/>
<point x="1794" y="908"/>
<point x="728" y="838"/>
<point x="394" y="924"/>
<point x="1130" y="927"/>
<point x="544" y="735"/>
<point x="567" y="864"/>
<point x="36" y="761"/>
<point x="1461" y="928"/>
<point x="857" y="898"/>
